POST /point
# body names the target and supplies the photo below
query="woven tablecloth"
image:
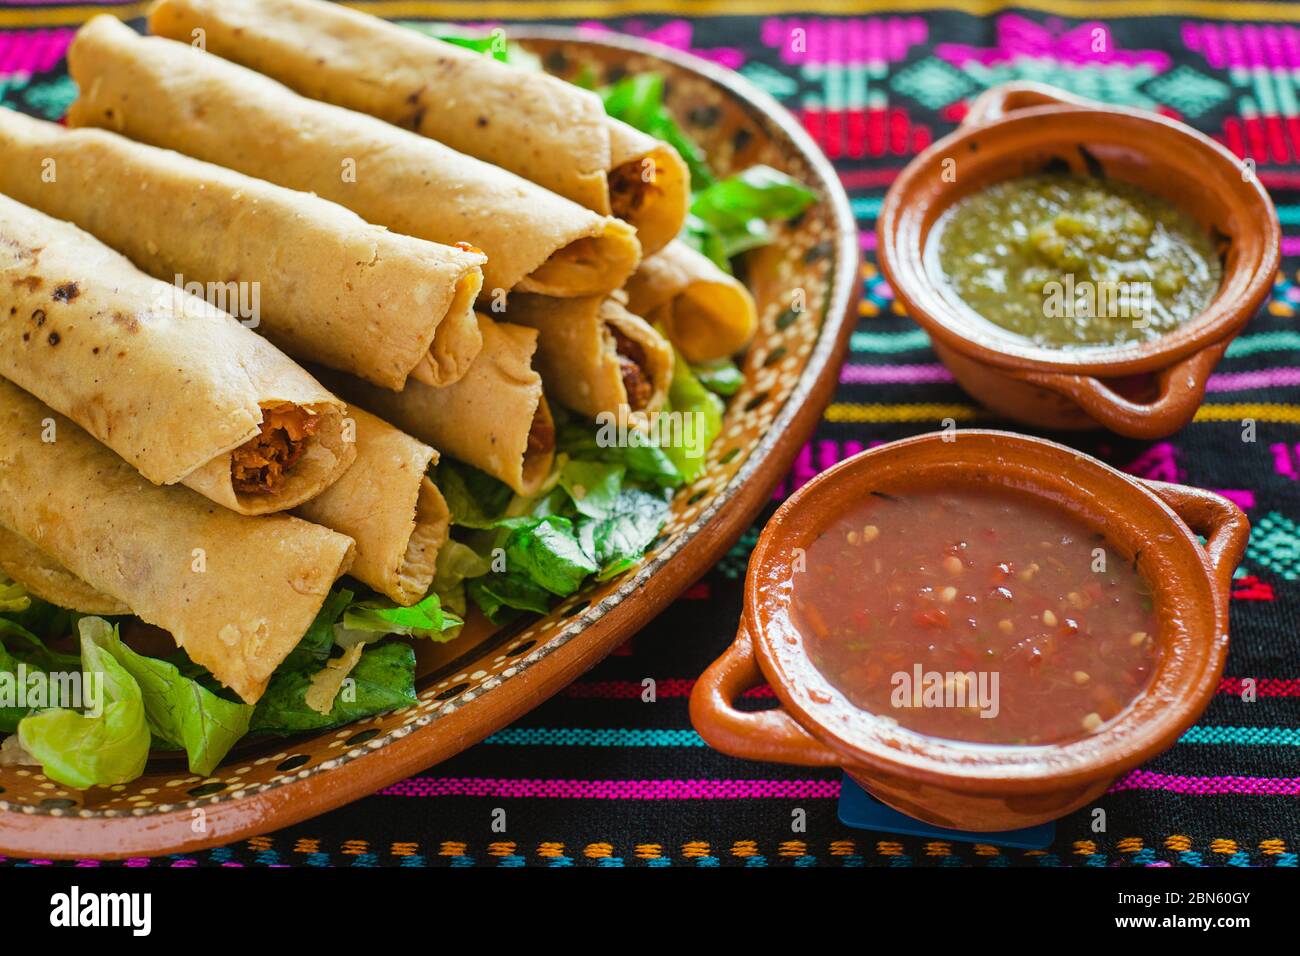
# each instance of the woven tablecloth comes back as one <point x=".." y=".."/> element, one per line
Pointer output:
<point x="596" y="777"/>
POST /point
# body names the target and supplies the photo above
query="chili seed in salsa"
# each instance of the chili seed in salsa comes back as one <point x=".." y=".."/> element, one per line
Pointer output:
<point x="936" y="607"/>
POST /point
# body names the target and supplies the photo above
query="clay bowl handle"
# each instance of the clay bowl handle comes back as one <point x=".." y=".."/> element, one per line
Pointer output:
<point x="766" y="735"/>
<point x="1218" y="520"/>
<point x="997" y="101"/>
<point x="1181" y="387"/>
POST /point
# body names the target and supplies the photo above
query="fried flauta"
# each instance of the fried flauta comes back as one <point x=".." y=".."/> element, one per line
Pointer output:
<point x="706" y="313"/>
<point x="236" y="592"/>
<point x="545" y="130"/>
<point x="594" y="355"/>
<point x="495" y="418"/>
<point x="386" y="503"/>
<point x="324" y="285"/>
<point x="174" y="385"/>
<point x="172" y="95"/>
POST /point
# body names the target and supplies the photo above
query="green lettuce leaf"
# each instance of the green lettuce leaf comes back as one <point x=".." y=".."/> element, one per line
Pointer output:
<point x="475" y="498"/>
<point x="501" y="594"/>
<point x="720" y="377"/>
<point x="547" y="552"/>
<point x="733" y="215"/>
<point x="181" y="710"/>
<point x="688" y="396"/>
<point x="383" y="680"/>
<point x="593" y="486"/>
<point x="13" y="597"/>
<point x="313" y="650"/>
<point x="638" y="100"/>
<point x="85" y="750"/>
<point x="617" y="540"/>
<point x="374" y="618"/>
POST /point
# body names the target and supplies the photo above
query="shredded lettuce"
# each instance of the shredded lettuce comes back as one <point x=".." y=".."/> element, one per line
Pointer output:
<point x="638" y="100"/>
<point x="734" y="215"/>
<point x="93" y="749"/>
<point x="13" y="597"/>
<point x="180" y="710"/>
<point x="367" y="621"/>
<point x="721" y="377"/>
<point x="382" y="680"/>
<point x="687" y="396"/>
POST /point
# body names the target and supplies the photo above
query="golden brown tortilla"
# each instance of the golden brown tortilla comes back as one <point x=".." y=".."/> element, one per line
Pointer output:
<point x="495" y="418"/>
<point x="175" y="386"/>
<point x="706" y="313"/>
<point x="172" y="95"/>
<point x="48" y="580"/>
<point x="594" y="355"/>
<point x="329" y="287"/>
<point x="545" y="130"/>
<point x="236" y="592"/>
<point x="386" y="503"/>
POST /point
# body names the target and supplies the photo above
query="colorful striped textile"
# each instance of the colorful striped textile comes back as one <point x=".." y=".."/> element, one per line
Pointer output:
<point x="606" y="774"/>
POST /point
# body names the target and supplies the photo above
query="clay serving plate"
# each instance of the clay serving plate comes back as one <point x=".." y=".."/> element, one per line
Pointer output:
<point x="1143" y="390"/>
<point x="980" y="787"/>
<point x="484" y="679"/>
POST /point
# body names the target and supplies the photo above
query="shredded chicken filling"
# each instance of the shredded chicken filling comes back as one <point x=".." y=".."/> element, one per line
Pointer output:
<point x="261" y="465"/>
<point x="631" y="365"/>
<point x="541" y="435"/>
<point x="629" y="190"/>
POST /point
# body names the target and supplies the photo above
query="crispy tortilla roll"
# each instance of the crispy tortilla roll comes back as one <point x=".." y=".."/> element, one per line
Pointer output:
<point x="495" y="418"/>
<point x="172" y="95"/>
<point x="389" y="507"/>
<point x="594" y="355"/>
<point x="237" y="593"/>
<point x="706" y="313"/>
<point x="44" y="577"/>
<point x="545" y="130"/>
<point x="649" y="185"/>
<point x="330" y="287"/>
<point x="172" y="384"/>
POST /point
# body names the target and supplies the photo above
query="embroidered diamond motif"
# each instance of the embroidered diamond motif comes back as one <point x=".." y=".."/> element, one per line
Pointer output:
<point x="1275" y="545"/>
<point x="1189" y="91"/>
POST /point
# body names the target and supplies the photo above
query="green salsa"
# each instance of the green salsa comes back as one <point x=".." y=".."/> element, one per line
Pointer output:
<point x="1076" y="261"/>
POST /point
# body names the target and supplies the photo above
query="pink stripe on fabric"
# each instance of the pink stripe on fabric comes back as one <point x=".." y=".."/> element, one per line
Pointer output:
<point x="1264" y="378"/>
<point x="615" y="789"/>
<point x="893" y="374"/>
<point x="33" y="51"/>
<point x="1209" y="786"/>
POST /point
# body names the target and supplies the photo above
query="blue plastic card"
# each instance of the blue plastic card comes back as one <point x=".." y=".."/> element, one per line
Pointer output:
<point x="862" y="811"/>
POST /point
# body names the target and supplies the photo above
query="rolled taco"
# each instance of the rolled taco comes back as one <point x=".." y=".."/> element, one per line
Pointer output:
<point x="172" y="95"/>
<point x="545" y="130"/>
<point x="706" y="313"/>
<point x="386" y="503"/>
<point x="329" y="286"/>
<point x="237" y="593"/>
<point x="495" y="418"/>
<point x="175" y="386"/>
<point x="594" y="355"/>
<point x="48" y="580"/>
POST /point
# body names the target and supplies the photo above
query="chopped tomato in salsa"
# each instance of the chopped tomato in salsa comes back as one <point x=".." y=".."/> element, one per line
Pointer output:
<point x="978" y="615"/>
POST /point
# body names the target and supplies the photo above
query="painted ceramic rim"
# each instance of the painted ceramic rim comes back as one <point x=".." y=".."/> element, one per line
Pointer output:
<point x="30" y="831"/>
<point x="927" y="304"/>
<point x="1128" y="740"/>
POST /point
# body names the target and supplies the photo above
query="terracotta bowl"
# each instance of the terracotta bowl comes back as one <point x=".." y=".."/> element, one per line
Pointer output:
<point x="1142" y="390"/>
<point x="981" y="787"/>
<point x="487" y="677"/>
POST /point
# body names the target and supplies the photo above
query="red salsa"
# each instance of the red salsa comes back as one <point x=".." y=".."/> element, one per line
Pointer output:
<point x="979" y="615"/>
